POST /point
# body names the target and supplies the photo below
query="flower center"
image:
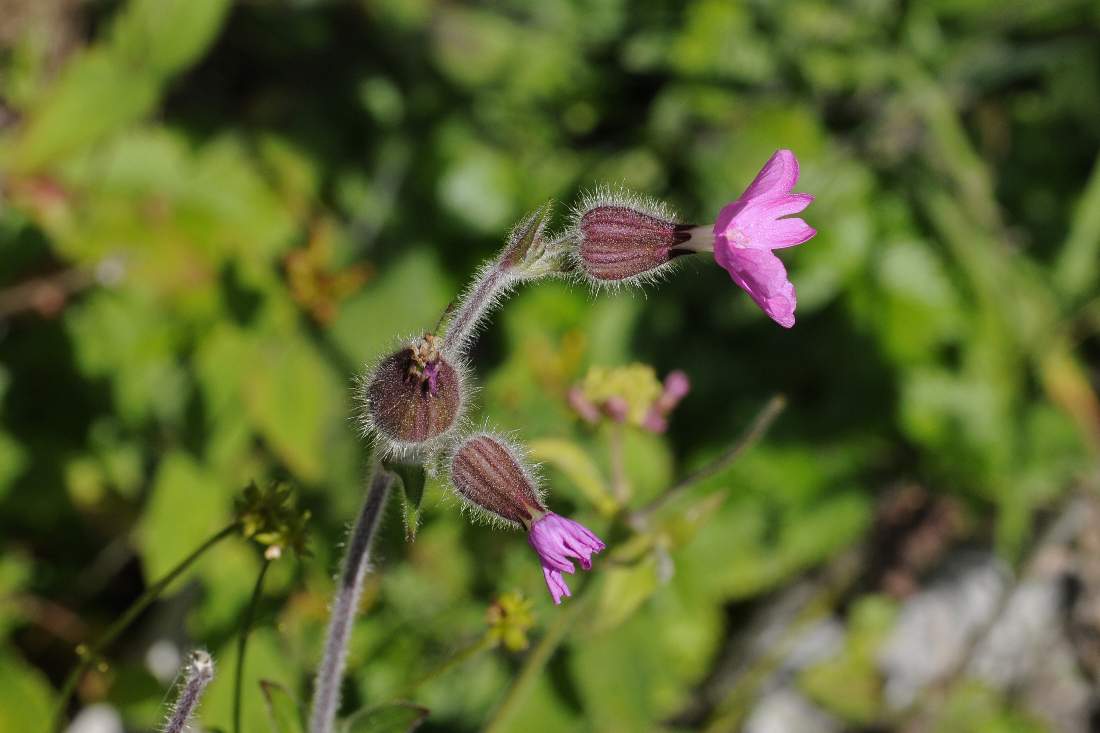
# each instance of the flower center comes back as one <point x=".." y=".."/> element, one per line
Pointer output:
<point x="423" y="364"/>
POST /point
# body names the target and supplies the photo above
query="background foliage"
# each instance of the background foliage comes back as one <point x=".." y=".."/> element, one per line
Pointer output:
<point x="214" y="213"/>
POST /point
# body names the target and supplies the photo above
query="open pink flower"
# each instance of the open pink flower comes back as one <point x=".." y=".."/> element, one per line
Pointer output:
<point x="556" y="539"/>
<point x="748" y="229"/>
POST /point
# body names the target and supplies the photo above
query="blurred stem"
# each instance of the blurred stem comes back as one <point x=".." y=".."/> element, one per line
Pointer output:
<point x="536" y="661"/>
<point x="90" y="654"/>
<point x="242" y="643"/>
<point x="463" y="655"/>
<point x="620" y="484"/>
<point x="326" y="689"/>
<point x="746" y="440"/>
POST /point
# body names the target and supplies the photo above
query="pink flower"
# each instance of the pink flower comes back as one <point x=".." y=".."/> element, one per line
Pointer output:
<point x="749" y="229"/>
<point x="677" y="385"/>
<point x="556" y="539"/>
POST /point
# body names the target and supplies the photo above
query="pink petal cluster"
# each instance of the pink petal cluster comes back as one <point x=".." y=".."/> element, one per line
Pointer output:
<point x="676" y="387"/>
<point x="748" y="229"/>
<point x="556" y="539"/>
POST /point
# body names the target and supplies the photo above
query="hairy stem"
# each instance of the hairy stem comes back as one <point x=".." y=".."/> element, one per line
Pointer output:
<point x="491" y="283"/>
<point x="199" y="673"/>
<point x="89" y="655"/>
<point x="326" y="690"/>
<point x="242" y="643"/>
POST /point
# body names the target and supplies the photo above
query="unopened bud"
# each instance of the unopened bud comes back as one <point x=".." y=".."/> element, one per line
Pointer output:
<point x="413" y="397"/>
<point x="490" y="475"/>
<point x="620" y="241"/>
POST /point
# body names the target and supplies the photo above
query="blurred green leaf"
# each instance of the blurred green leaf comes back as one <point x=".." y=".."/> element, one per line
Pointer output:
<point x="25" y="695"/>
<point x="971" y="708"/>
<point x="283" y="711"/>
<point x="849" y="684"/>
<point x="165" y="36"/>
<point x="396" y="717"/>
<point x="569" y="458"/>
<point x="295" y="401"/>
<point x="100" y="89"/>
<point x="186" y="506"/>
<point x="624" y="590"/>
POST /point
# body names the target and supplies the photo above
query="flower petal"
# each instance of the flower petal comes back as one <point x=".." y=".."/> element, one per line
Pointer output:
<point x="555" y="584"/>
<point x="778" y="233"/>
<point x="556" y="539"/>
<point x="791" y="203"/>
<point x="762" y="275"/>
<point x="776" y="178"/>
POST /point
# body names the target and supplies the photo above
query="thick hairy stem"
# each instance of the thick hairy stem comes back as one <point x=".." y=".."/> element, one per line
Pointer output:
<point x="526" y="256"/>
<point x="200" y="670"/>
<point x="492" y="282"/>
<point x="326" y="690"/>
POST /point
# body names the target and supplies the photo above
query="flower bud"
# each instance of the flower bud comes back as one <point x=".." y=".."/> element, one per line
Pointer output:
<point x="620" y="241"/>
<point x="413" y="397"/>
<point x="490" y="476"/>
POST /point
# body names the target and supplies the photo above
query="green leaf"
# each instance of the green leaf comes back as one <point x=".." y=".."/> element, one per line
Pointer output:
<point x="395" y="717"/>
<point x="412" y="487"/>
<point x="186" y="506"/>
<point x="295" y="401"/>
<point x="569" y="458"/>
<point x="96" y="95"/>
<point x="283" y="711"/>
<point x="849" y="684"/>
<point x="166" y="36"/>
<point x="624" y="590"/>
<point x="24" y="695"/>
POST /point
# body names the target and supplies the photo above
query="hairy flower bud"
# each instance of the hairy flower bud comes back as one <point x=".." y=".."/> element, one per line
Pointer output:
<point x="414" y="397"/>
<point x="621" y="238"/>
<point x="489" y="474"/>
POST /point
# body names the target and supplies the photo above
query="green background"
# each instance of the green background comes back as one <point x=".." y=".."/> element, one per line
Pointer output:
<point x="213" y="214"/>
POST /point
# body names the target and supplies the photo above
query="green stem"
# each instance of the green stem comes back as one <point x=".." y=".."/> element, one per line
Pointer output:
<point x="90" y="654"/>
<point x="536" y="661"/>
<point x="242" y="643"/>
<point x="462" y="655"/>
<point x="620" y="485"/>
<point x="746" y="440"/>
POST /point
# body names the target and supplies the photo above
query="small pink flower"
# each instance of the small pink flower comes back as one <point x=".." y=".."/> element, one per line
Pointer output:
<point x="749" y="229"/>
<point x="556" y="539"/>
<point x="582" y="406"/>
<point x="677" y="385"/>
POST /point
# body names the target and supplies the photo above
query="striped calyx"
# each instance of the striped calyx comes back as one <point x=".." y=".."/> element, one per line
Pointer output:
<point x="488" y="473"/>
<point x="618" y="242"/>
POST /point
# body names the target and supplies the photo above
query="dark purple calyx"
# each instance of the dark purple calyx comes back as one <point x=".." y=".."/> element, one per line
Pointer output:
<point x="486" y="472"/>
<point x="414" y="395"/>
<point x="618" y="242"/>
